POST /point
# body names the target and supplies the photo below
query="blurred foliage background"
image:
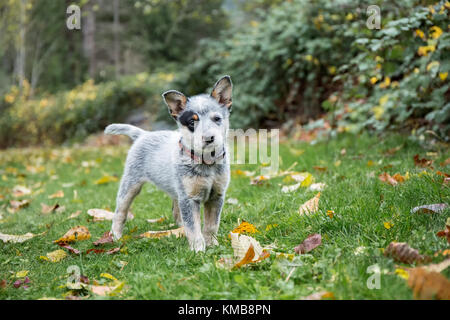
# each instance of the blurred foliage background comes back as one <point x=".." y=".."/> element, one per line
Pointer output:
<point x="294" y="63"/>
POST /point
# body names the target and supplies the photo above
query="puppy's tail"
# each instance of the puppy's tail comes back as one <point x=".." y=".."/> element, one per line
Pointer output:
<point x="126" y="129"/>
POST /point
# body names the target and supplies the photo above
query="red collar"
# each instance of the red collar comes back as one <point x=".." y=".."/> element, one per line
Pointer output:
<point x="200" y="158"/>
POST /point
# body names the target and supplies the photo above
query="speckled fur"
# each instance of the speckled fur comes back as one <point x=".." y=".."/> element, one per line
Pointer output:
<point x="157" y="157"/>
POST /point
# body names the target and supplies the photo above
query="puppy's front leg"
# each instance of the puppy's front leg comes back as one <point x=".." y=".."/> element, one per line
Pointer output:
<point x="213" y="208"/>
<point x="190" y="214"/>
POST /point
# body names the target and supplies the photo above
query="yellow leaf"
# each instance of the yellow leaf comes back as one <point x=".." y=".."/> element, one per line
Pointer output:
<point x="420" y="33"/>
<point x="77" y="233"/>
<point x="57" y="255"/>
<point x="310" y="206"/>
<point x="402" y="273"/>
<point x="436" y="32"/>
<point x="373" y="80"/>
<point x="443" y="75"/>
<point x="106" y="179"/>
<point x="330" y="213"/>
<point x="108" y="276"/>
<point x="22" y="274"/>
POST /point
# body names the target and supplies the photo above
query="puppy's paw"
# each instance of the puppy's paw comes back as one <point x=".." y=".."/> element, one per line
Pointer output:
<point x="198" y="244"/>
<point x="116" y="232"/>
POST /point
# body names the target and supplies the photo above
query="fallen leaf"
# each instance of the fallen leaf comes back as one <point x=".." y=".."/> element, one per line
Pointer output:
<point x="310" y="206"/>
<point x="423" y="163"/>
<point x="310" y="243"/>
<point x="241" y="244"/>
<point x="22" y="273"/>
<point x="66" y="246"/>
<point x="20" y="191"/>
<point x="106" y="238"/>
<point x="106" y="179"/>
<point x="158" y="220"/>
<point x="46" y="209"/>
<point x="3" y="284"/>
<point x="428" y="285"/>
<point x="112" y="251"/>
<point x="317" y="187"/>
<point x="386" y="177"/>
<point x="343" y="152"/>
<point x="292" y="188"/>
<point x="15" y="205"/>
<point x="164" y="233"/>
<point x="58" y="194"/>
<point x="446" y="231"/>
<point x="402" y="252"/>
<point x="245" y="227"/>
<point x="259" y="180"/>
<point x="305" y="178"/>
<point x="320" y="169"/>
<point x="445" y="163"/>
<point x="97" y="251"/>
<point x="17" y="238"/>
<point x="107" y="290"/>
<point x="77" y="233"/>
<point x="330" y="214"/>
<point x="322" y="295"/>
<point x="57" y="255"/>
<point x="430" y="208"/>
<point x="75" y="214"/>
<point x="108" y="276"/>
<point x="102" y="214"/>
<point x="388" y="225"/>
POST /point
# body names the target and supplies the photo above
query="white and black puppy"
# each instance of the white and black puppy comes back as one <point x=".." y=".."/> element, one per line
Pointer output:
<point x="190" y="164"/>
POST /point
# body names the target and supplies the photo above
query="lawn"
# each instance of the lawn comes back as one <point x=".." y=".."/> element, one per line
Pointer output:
<point x="368" y="215"/>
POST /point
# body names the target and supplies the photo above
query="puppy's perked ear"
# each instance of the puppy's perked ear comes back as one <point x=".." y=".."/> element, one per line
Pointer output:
<point x="222" y="91"/>
<point x="176" y="101"/>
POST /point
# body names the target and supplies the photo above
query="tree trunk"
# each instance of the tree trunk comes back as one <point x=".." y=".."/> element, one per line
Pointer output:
<point x="88" y="28"/>
<point x="22" y="50"/>
<point x="116" y="28"/>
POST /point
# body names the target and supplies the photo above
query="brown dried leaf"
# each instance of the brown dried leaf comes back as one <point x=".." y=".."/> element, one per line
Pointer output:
<point x="58" y="194"/>
<point x="428" y="285"/>
<point x="105" y="238"/>
<point x="423" y="163"/>
<point x="446" y="231"/>
<point x="20" y="191"/>
<point x="15" y="205"/>
<point x="102" y="214"/>
<point x="402" y="252"/>
<point x="311" y="242"/>
<point x="158" y="220"/>
<point x="71" y="250"/>
<point x="46" y="209"/>
<point x="386" y="177"/>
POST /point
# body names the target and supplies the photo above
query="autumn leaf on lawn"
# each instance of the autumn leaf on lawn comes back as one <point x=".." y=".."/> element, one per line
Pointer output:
<point x="77" y="233"/>
<point x="245" y="227"/>
<point x="18" y="238"/>
<point x="428" y="285"/>
<point x="75" y="214"/>
<point x="241" y="243"/>
<point x="20" y="191"/>
<point x="106" y="179"/>
<point x="310" y="243"/>
<point x="101" y="214"/>
<point x="446" y="231"/>
<point x="106" y="238"/>
<point x="112" y="288"/>
<point x="15" y="205"/>
<point x="387" y="178"/>
<point x="317" y="186"/>
<point x="310" y="206"/>
<point x="430" y="208"/>
<point x="46" y="209"/>
<point x="163" y="233"/>
<point x="66" y="246"/>
<point x="57" y="255"/>
<point x="445" y="163"/>
<point x="305" y="178"/>
<point x="402" y="252"/>
<point x="423" y="163"/>
<point x="157" y="220"/>
<point x="320" y="169"/>
<point x="58" y="194"/>
<point x="291" y="188"/>
<point x="259" y="180"/>
<point x="321" y="295"/>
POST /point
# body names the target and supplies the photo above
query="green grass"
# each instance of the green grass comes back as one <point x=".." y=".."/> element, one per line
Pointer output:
<point x="166" y="269"/>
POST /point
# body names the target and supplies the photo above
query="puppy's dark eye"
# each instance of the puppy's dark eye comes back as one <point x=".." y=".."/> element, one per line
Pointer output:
<point x="217" y="119"/>
<point x="191" y="122"/>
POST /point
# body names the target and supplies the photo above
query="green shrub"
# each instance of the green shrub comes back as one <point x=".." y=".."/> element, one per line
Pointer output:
<point x="74" y="114"/>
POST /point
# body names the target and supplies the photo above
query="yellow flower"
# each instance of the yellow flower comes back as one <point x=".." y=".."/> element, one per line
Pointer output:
<point x="435" y="32"/>
<point x="388" y="225"/>
<point x="378" y="112"/>
<point x="373" y="80"/>
<point x="308" y="57"/>
<point x="419" y="33"/>
<point x="332" y="69"/>
<point x="416" y="70"/>
<point x="447" y="4"/>
<point x="402" y="273"/>
<point x="386" y="83"/>
<point x="424" y="50"/>
<point x="330" y="213"/>
<point x="431" y="9"/>
<point x="349" y="16"/>
<point x="443" y="75"/>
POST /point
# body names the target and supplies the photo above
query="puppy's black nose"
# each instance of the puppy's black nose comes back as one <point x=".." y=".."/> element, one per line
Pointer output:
<point x="208" y="140"/>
